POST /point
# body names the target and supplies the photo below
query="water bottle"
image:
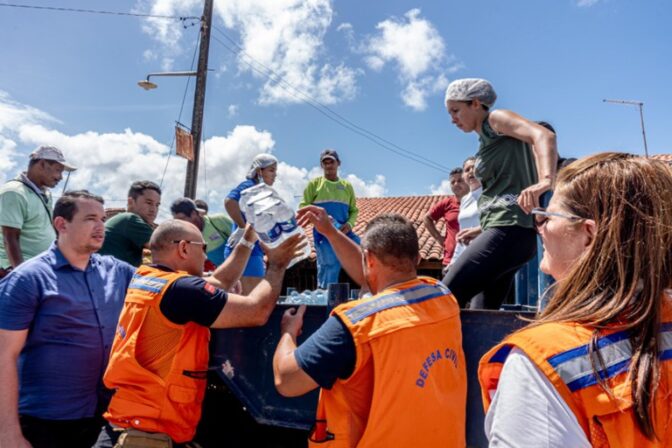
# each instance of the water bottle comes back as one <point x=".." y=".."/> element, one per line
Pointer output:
<point x="271" y="217"/>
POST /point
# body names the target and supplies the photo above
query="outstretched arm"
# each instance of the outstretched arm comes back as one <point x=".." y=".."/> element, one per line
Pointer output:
<point x="347" y="251"/>
<point x="255" y="309"/>
<point x="233" y="267"/>
<point x="290" y="379"/>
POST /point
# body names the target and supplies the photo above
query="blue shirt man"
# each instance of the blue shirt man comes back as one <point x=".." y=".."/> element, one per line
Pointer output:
<point x="58" y="314"/>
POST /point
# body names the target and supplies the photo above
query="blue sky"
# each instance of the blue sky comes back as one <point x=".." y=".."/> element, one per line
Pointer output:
<point x="70" y="79"/>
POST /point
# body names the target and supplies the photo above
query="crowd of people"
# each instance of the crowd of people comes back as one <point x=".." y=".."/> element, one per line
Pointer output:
<point x="103" y="346"/>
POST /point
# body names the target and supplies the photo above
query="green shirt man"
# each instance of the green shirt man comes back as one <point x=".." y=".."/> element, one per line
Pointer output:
<point x="127" y="234"/>
<point x="25" y="207"/>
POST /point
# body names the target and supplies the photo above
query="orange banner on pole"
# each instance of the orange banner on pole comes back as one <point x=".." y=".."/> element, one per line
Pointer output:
<point x="184" y="143"/>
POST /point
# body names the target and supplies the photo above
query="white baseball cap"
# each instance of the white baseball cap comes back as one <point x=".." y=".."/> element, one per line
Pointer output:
<point x="51" y="153"/>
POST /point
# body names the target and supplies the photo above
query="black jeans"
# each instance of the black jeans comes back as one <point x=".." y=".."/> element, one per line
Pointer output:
<point x="80" y="433"/>
<point x="489" y="265"/>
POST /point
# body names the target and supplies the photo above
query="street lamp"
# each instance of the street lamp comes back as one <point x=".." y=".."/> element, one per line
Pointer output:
<point x="149" y="85"/>
<point x="639" y="104"/>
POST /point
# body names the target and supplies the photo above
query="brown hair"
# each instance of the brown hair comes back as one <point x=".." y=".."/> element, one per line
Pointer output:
<point x="619" y="281"/>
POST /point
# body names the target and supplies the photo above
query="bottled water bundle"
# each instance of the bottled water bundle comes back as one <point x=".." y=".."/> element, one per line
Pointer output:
<point x="271" y="217"/>
<point x="317" y="297"/>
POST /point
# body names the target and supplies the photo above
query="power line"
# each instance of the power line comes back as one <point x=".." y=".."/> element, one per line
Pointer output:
<point x="98" y="11"/>
<point x="179" y="116"/>
<point x="326" y="110"/>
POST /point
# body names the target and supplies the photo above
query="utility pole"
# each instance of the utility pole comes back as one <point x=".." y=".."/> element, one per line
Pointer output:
<point x="639" y="104"/>
<point x="199" y="100"/>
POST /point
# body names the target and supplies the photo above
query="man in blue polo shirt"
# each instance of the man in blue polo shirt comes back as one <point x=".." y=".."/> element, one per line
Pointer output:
<point x="58" y="313"/>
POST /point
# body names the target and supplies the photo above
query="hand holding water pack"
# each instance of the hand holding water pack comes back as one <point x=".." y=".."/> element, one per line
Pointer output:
<point x="271" y="217"/>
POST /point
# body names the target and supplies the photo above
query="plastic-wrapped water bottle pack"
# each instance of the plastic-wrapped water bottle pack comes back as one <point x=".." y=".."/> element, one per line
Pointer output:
<point x="271" y="217"/>
<point x="294" y="297"/>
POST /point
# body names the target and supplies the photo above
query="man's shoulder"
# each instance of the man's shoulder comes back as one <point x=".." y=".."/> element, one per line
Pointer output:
<point x="125" y="218"/>
<point x="108" y="262"/>
<point x="452" y="199"/>
<point x="14" y="187"/>
<point x="42" y="263"/>
<point x="447" y="202"/>
<point x="418" y="288"/>
<point x="219" y="217"/>
<point x="118" y="218"/>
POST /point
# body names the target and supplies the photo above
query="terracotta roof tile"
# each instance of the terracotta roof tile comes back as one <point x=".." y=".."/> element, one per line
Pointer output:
<point x="413" y="208"/>
<point x="110" y="212"/>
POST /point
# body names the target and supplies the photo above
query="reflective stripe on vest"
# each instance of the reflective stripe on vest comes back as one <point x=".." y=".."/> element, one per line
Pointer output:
<point x="409" y="296"/>
<point x="575" y="368"/>
<point x="147" y="283"/>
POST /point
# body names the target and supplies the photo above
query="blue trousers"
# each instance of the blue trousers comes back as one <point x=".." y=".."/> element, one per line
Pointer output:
<point x="328" y="266"/>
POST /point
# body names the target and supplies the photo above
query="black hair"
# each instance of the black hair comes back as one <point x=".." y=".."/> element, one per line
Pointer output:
<point x="138" y="188"/>
<point x="66" y="205"/>
<point x="455" y="171"/>
<point x="392" y="239"/>
<point x="546" y="125"/>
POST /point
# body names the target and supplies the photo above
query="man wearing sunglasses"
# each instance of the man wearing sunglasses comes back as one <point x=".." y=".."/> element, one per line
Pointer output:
<point x="159" y="358"/>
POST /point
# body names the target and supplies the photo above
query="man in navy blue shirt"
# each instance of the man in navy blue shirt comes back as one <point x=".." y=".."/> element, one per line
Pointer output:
<point x="58" y="313"/>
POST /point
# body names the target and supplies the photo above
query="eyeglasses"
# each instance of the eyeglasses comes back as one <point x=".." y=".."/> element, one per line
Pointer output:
<point x="205" y="245"/>
<point x="541" y="217"/>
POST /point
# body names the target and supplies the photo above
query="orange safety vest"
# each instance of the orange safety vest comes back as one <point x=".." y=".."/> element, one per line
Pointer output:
<point x="157" y="368"/>
<point x="409" y="384"/>
<point x="560" y="351"/>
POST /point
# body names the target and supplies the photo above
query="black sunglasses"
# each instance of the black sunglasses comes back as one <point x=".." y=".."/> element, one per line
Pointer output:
<point x="205" y="245"/>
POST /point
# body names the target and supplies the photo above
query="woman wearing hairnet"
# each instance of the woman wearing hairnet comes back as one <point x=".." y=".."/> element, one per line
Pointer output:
<point x="264" y="168"/>
<point x="516" y="164"/>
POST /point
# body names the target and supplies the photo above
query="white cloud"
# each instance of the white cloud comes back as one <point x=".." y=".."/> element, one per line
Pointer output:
<point x="443" y="188"/>
<point x="149" y="55"/>
<point x="586" y="3"/>
<point x="232" y="110"/>
<point x="223" y="68"/>
<point x="14" y="115"/>
<point x="285" y="36"/>
<point x="363" y="189"/>
<point x="108" y="162"/>
<point x="418" y="51"/>
<point x="168" y="32"/>
<point x="345" y="27"/>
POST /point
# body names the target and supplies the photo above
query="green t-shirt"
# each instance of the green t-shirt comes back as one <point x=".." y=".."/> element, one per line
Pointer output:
<point x="505" y="166"/>
<point x="337" y="197"/>
<point x="216" y="230"/>
<point x="125" y="236"/>
<point x="22" y="208"/>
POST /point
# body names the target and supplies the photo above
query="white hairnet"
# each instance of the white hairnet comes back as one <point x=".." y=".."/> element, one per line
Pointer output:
<point x="468" y="89"/>
<point x="260" y="161"/>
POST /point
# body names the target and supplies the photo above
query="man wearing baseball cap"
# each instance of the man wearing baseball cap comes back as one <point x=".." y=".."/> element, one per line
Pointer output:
<point x="26" y="208"/>
<point x="337" y="197"/>
<point x="185" y="209"/>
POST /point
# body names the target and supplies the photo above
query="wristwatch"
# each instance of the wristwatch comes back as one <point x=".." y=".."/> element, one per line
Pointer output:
<point x="248" y="244"/>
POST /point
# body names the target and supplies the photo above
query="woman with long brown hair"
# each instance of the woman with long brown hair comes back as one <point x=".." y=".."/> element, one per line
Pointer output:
<point x="595" y="367"/>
